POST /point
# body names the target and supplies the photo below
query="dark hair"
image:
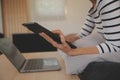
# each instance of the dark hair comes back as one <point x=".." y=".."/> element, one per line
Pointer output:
<point x="1" y="35"/>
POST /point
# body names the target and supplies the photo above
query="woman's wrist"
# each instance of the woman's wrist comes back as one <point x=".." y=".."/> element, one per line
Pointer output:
<point x="77" y="37"/>
<point x="71" y="37"/>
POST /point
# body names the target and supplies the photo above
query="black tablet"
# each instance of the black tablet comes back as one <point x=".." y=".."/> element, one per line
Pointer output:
<point x="37" y="28"/>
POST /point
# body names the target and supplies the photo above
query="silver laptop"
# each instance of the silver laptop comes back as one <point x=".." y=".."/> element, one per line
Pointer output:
<point x="26" y="65"/>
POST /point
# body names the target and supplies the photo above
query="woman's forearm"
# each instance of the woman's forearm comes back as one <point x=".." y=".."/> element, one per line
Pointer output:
<point x="83" y="51"/>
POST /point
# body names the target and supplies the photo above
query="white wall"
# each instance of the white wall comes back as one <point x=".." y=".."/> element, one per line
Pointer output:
<point x="1" y="27"/>
<point x="74" y="19"/>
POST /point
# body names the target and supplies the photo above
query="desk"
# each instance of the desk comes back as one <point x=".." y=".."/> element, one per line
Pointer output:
<point x="8" y="72"/>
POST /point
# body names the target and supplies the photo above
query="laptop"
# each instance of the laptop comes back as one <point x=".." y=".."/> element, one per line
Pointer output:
<point x="26" y="65"/>
<point x="37" y="28"/>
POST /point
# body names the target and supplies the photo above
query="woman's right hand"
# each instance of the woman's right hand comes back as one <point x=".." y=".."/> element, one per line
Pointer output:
<point x="71" y="37"/>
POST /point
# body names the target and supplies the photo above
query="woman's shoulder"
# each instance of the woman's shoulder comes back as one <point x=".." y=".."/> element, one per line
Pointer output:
<point x="108" y="1"/>
<point x="106" y="4"/>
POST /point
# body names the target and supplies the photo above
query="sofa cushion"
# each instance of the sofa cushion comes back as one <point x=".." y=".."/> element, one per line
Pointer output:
<point x="101" y="71"/>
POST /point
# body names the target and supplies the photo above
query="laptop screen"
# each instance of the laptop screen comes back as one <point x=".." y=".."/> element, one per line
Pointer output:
<point x="11" y="52"/>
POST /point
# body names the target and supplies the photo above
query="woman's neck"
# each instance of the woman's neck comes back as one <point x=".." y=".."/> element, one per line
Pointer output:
<point x="93" y="2"/>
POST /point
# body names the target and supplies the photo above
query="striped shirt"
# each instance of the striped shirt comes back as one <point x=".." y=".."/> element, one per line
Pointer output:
<point x="105" y="16"/>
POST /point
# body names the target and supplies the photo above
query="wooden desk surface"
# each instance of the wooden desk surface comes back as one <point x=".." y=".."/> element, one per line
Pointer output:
<point x="8" y="71"/>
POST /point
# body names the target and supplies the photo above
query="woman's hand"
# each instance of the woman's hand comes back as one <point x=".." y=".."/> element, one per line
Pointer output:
<point x="63" y="46"/>
<point x="71" y="37"/>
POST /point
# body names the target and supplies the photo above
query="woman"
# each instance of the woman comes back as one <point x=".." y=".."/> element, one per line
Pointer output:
<point x="105" y="17"/>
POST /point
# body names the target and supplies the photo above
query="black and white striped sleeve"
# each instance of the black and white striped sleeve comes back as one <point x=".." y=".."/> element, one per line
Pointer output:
<point x="110" y="16"/>
<point x="87" y="28"/>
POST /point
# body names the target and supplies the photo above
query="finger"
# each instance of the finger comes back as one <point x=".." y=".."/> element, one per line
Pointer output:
<point x="46" y="37"/>
<point x="56" y="31"/>
<point x="49" y="39"/>
<point x="59" y="32"/>
<point x="63" y="41"/>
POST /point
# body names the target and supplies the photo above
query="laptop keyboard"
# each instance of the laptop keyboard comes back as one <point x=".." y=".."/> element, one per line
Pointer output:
<point x="34" y="64"/>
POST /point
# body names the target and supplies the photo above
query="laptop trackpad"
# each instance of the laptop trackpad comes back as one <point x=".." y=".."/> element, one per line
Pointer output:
<point x="45" y="64"/>
<point x="50" y="63"/>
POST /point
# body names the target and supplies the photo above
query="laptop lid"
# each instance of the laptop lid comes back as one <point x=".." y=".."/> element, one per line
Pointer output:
<point x="30" y="42"/>
<point x="11" y="52"/>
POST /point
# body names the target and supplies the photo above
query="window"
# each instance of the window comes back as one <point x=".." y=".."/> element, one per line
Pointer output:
<point x="48" y="9"/>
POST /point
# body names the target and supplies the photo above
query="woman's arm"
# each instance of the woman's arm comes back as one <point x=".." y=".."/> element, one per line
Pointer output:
<point x="86" y="30"/>
<point x="66" y="48"/>
<point x="83" y="51"/>
<point x="110" y="16"/>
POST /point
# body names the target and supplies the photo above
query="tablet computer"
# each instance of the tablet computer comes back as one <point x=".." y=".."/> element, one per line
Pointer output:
<point x="37" y="28"/>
